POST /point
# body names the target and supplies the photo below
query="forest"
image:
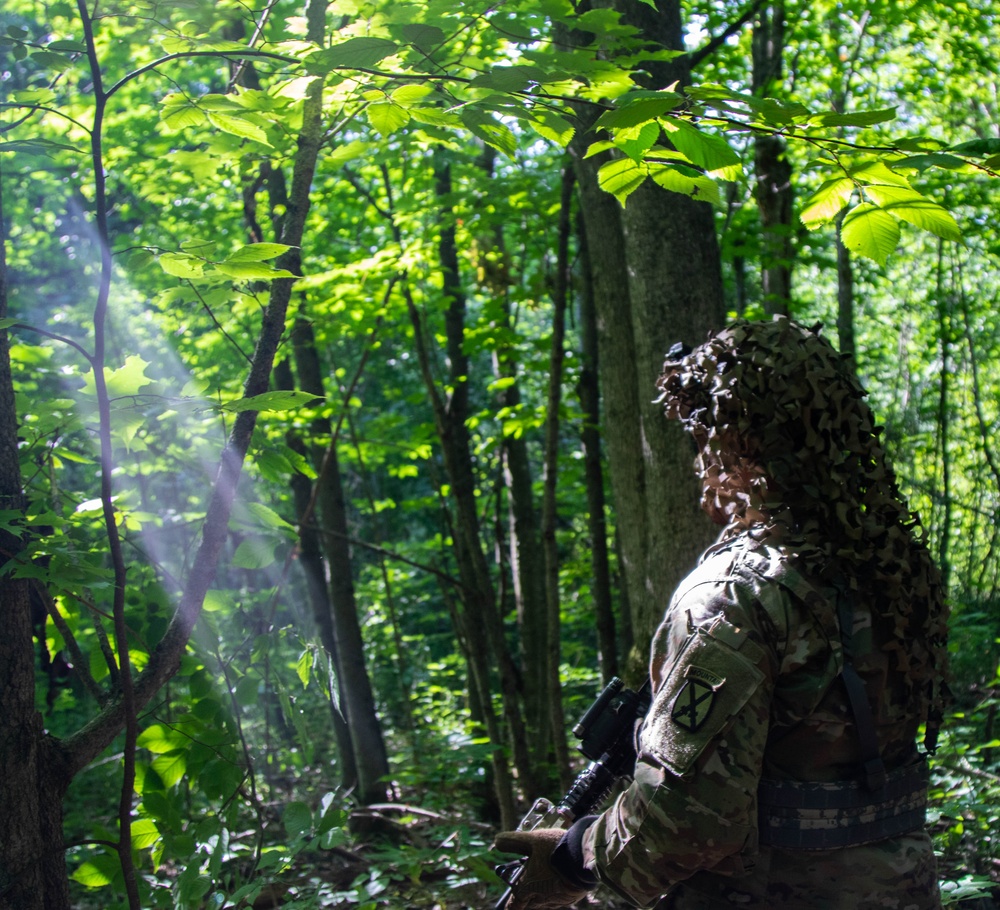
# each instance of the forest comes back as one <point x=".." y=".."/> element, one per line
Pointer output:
<point x="332" y="484"/>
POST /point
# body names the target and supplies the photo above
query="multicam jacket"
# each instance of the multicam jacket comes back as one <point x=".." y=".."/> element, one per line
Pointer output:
<point x="747" y="697"/>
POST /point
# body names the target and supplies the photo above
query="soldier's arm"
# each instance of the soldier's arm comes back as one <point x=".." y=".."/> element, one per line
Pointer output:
<point x="692" y="804"/>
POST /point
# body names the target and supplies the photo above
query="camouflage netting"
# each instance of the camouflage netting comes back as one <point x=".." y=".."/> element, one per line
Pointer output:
<point x="789" y="447"/>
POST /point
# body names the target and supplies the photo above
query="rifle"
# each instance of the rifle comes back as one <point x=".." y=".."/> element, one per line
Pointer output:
<point x="607" y="738"/>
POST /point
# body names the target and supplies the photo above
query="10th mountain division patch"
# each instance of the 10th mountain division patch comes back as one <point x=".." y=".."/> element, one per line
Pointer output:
<point x="695" y="700"/>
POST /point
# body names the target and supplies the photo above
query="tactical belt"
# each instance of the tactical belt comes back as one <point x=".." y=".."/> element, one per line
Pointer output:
<point x="825" y="816"/>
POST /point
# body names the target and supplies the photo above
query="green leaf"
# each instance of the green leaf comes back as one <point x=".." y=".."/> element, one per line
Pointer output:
<point x="857" y="118"/>
<point x="192" y="886"/>
<point x="407" y="95"/>
<point x="932" y="159"/>
<point x="870" y="232"/>
<point x="254" y="553"/>
<point x="709" y="152"/>
<point x="497" y="135"/>
<point x="50" y="60"/>
<point x="644" y="140"/>
<point x="36" y="146"/>
<point x="549" y="125"/>
<point x="238" y="126"/>
<point x="621" y="177"/>
<point x="878" y="172"/>
<point x="269" y="518"/>
<point x="144" y="833"/>
<point x="514" y="78"/>
<point x="421" y="35"/>
<point x="177" y="112"/>
<point x="918" y="210"/>
<point x="273" y="402"/>
<point x="251" y="271"/>
<point x="100" y="871"/>
<point x="349" y="151"/>
<point x="354" y="53"/>
<point x="171" y="767"/>
<point x="304" y="666"/>
<point x="66" y="46"/>
<point x="258" y="252"/>
<point x="125" y="381"/>
<point x="330" y="814"/>
<point x="217" y="602"/>
<point x="248" y="691"/>
<point x="434" y="116"/>
<point x="297" y="819"/>
<point x="696" y="186"/>
<point x="182" y="265"/>
<point x="827" y="202"/>
<point x="159" y="738"/>
<point x="387" y="117"/>
<point x="639" y="111"/>
<point x="33" y="96"/>
<point x="977" y="147"/>
<point x="603" y="21"/>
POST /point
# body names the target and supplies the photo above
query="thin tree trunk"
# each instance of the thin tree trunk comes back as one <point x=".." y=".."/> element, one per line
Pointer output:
<point x="480" y="613"/>
<point x="358" y="700"/>
<point x="944" y="420"/>
<point x="590" y="403"/>
<point x="845" y="301"/>
<point x="314" y="569"/>
<point x="549" y="503"/>
<point x="527" y="556"/>
<point x="772" y="168"/>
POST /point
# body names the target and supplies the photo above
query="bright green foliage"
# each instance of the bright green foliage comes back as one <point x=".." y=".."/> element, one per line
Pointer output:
<point x="236" y="785"/>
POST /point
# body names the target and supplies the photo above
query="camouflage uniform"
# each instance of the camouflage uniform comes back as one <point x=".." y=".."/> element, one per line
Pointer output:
<point x="745" y="671"/>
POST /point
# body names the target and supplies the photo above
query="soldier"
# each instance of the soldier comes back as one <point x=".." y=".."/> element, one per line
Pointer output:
<point x="777" y="765"/>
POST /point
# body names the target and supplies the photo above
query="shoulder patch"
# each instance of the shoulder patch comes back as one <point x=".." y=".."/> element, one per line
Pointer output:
<point x="696" y="698"/>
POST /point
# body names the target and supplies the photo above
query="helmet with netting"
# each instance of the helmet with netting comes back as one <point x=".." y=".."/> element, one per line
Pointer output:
<point x="778" y="398"/>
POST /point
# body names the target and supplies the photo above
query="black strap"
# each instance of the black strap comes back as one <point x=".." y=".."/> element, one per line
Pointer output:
<point x="864" y="722"/>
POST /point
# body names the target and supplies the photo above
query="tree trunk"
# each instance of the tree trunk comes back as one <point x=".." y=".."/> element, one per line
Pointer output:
<point x="527" y="556"/>
<point x="657" y="280"/>
<point x="357" y="698"/>
<point x="479" y="613"/>
<point x="845" y="301"/>
<point x="559" y="301"/>
<point x="590" y="437"/>
<point x="772" y="168"/>
<point x="34" y="778"/>
<point x="314" y="570"/>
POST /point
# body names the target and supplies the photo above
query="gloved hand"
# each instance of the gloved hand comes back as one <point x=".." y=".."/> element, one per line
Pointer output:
<point x="539" y="886"/>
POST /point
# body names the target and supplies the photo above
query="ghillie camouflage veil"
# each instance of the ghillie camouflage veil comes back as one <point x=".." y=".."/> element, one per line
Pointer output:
<point x="785" y="433"/>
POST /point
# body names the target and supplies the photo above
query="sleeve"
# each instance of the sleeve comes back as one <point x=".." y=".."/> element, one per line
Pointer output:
<point x="692" y="805"/>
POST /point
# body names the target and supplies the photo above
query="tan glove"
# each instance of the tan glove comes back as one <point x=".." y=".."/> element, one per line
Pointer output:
<point x="539" y="886"/>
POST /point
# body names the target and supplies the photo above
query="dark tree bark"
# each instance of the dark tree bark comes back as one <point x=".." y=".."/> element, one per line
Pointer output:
<point x="34" y="773"/>
<point x="314" y="569"/>
<point x="772" y="169"/>
<point x="479" y="614"/>
<point x="357" y="698"/>
<point x="590" y="437"/>
<point x="527" y="556"/>
<point x="845" y="301"/>
<point x="559" y="301"/>
<point x="657" y="280"/>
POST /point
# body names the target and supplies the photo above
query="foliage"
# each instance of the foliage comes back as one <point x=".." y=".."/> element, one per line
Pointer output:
<point x="237" y="794"/>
